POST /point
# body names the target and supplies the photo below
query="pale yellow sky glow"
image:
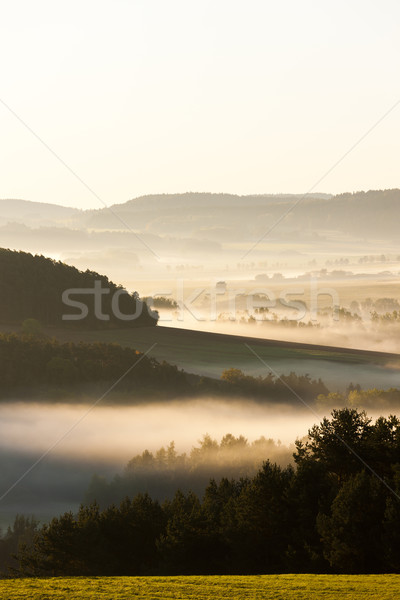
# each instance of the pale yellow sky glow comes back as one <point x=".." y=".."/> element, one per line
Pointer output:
<point x="144" y="97"/>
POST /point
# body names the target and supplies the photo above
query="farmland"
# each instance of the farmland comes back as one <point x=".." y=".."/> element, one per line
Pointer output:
<point x="268" y="587"/>
<point x="209" y="354"/>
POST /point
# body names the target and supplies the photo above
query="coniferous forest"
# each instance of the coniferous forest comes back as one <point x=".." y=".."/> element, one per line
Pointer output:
<point x="328" y="513"/>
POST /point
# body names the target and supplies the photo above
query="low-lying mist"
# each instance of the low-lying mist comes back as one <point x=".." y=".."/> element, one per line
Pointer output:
<point x="107" y="438"/>
<point x="117" y="433"/>
<point x="87" y="440"/>
<point x="337" y="333"/>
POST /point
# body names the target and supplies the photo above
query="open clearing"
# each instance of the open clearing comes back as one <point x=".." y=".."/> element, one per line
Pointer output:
<point x="269" y="587"/>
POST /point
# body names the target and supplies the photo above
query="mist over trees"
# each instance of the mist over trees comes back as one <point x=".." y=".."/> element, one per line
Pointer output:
<point x="162" y="472"/>
<point x="228" y="506"/>
<point x="329" y="513"/>
<point x="202" y="230"/>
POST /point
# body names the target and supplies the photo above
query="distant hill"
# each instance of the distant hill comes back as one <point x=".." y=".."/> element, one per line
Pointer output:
<point x="199" y="225"/>
<point x="192" y="214"/>
<point x="33" y="287"/>
<point x="206" y="216"/>
<point x="371" y="214"/>
<point x="34" y="213"/>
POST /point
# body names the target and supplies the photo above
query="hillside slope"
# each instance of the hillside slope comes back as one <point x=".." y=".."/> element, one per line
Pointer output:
<point x="49" y="291"/>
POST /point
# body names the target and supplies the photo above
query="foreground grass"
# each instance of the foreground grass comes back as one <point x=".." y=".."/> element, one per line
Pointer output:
<point x="270" y="587"/>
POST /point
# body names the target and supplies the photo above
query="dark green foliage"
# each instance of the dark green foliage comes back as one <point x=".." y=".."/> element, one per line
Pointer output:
<point x="17" y="538"/>
<point x="32" y="287"/>
<point x="344" y="442"/>
<point x="353" y="533"/>
<point x="44" y="367"/>
<point x="391" y="525"/>
<point x="259" y="518"/>
<point x="279" y="388"/>
<point x="312" y="491"/>
<point x="320" y="517"/>
<point x="120" y="540"/>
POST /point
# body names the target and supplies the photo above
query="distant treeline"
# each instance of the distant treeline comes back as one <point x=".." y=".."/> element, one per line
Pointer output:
<point x="38" y="367"/>
<point x="354" y="396"/>
<point x="161" y="302"/>
<point x="337" y="510"/>
<point x="353" y="213"/>
<point x="33" y="287"/>
<point x="162" y="472"/>
<point x="282" y="387"/>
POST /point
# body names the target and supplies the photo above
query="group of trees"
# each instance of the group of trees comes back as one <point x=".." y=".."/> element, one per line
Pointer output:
<point x="245" y="317"/>
<point x="39" y="366"/>
<point x="337" y="510"/>
<point x="162" y="472"/>
<point x="33" y="287"/>
<point x="354" y="396"/>
<point x="22" y="533"/>
<point x="389" y="318"/>
<point x="161" y="302"/>
<point x="277" y="388"/>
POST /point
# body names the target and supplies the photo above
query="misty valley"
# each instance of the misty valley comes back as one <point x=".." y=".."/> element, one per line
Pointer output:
<point x="199" y="300"/>
<point x="198" y="402"/>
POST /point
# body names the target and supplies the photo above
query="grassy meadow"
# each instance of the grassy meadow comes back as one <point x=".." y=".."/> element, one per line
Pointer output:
<point x="268" y="587"/>
<point x="209" y="354"/>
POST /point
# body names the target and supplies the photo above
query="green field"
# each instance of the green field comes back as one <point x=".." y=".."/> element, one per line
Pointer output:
<point x="209" y="354"/>
<point x="274" y="587"/>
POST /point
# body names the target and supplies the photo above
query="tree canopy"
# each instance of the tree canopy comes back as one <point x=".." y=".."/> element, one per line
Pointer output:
<point x="328" y="514"/>
<point x="32" y="287"/>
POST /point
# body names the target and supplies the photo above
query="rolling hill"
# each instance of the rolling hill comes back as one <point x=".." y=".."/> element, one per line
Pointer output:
<point x="62" y="296"/>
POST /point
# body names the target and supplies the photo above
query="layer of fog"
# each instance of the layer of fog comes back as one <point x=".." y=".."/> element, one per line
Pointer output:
<point x="190" y="248"/>
<point x="115" y="433"/>
<point x="107" y="438"/>
<point x="78" y="443"/>
<point x="341" y="335"/>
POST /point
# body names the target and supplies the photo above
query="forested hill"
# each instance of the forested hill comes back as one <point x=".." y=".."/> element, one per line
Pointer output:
<point x="373" y="214"/>
<point x="35" y="287"/>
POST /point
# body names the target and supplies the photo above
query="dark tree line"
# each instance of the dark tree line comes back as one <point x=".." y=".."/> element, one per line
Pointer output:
<point x="41" y="367"/>
<point x="33" y="287"/>
<point x="328" y="514"/>
<point x="279" y="388"/>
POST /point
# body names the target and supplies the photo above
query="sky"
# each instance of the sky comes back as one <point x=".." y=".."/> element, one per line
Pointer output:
<point x="152" y="96"/>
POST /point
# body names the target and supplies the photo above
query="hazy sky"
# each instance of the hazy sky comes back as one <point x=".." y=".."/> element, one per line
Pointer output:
<point x="145" y="96"/>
